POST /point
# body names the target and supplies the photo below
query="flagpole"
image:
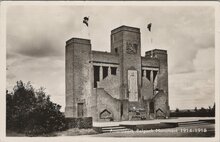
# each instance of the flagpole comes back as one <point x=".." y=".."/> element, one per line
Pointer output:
<point x="89" y="32"/>
<point x="150" y="35"/>
<point x="89" y="24"/>
<point x="152" y="41"/>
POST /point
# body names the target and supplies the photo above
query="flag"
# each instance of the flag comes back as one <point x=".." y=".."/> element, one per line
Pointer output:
<point x="149" y="26"/>
<point x="86" y="21"/>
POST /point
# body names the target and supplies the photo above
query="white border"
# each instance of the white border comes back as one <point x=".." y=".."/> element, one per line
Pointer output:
<point x="3" y="17"/>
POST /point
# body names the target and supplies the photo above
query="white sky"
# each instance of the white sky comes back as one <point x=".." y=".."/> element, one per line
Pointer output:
<point x="36" y="37"/>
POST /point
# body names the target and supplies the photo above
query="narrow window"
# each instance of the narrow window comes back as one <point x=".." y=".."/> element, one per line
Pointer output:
<point x="96" y="75"/>
<point x="105" y="72"/>
<point x="148" y="74"/>
<point x="122" y="109"/>
<point x="113" y="70"/>
<point x="151" y="107"/>
<point x="116" y="50"/>
<point x="154" y="74"/>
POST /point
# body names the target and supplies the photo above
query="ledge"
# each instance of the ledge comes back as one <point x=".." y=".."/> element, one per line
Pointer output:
<point x="125" y="28"/>
<point x="78" y="41"/>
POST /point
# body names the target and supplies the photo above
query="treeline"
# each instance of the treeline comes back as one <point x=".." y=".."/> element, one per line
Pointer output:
<point x="203" y="112"/>
<point x="31" y="111"/>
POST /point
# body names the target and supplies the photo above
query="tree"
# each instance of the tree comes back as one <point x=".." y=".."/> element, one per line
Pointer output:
<point x="23" y="102"/>
<point x="30" y="111"/>
<point x="203" y="110"/>
<point x="177" y="110"/>
<point x="8" y="109"/>
<point x="195" y="109"/>
<point x="213" y="111"/>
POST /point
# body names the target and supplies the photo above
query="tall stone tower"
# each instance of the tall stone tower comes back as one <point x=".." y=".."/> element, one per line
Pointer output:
<point x="78" y="84"/>
<point x="125" y="41"/>
<point x="162" y="79"/>
<point x="161" y="55"/>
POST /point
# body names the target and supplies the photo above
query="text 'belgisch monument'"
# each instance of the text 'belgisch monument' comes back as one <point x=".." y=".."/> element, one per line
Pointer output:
<point x="116" y="86"/>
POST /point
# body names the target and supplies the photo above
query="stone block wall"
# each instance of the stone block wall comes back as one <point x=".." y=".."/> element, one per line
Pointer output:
<point x="104" y="57"/>
<point x="146" y="89"/>
<point x="107" y="102"/>
<point x="161" y="106"/>
<point x="111" y="85"/>
<point x="150" y="62"/>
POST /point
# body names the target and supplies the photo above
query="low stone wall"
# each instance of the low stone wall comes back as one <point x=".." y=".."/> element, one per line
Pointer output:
<point x="81" y="123"/>
<point x="151" y="126"/>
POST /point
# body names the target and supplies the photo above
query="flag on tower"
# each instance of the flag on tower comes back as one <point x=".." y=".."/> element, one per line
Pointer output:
<point x="149" y="26"/>
<point x="86" y="21"/>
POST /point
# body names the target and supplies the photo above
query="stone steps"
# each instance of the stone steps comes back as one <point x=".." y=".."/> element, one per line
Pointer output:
<point x="190" y="123"/>
<point x="110" y="129"/>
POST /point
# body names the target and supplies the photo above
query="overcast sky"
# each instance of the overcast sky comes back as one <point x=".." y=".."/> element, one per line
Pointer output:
<point x="36" y="37"/>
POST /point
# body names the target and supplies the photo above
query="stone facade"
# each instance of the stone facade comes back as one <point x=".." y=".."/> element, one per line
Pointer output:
<point x="116" y="86"/>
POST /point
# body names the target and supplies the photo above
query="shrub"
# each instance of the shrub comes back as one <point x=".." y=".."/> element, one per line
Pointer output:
<point x="31" y="112"/>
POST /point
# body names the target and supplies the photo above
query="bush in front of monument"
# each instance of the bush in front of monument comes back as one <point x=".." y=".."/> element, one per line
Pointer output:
<point x="31" y="112"/>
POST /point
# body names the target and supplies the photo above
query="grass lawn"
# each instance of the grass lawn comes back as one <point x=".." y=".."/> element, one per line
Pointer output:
<point x="69" y="132"/>
<point x="75" y="132"/>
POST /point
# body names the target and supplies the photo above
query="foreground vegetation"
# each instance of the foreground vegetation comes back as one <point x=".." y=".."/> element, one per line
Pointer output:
<point x="68" y="132"/>
<point x="30" y="111"/>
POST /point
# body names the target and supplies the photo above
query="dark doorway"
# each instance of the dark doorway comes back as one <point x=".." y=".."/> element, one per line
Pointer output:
<point x="122" y="109"/>
<point x="148" y="74"/>
<point x="80" y="109"/>
<point x="154" y="74"/>
<point x="151" y="107"/>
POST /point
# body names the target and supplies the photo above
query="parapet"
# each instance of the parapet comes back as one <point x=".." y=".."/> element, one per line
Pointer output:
<point x="78" y="40"/>
<point x="125" y="28"/>
<point x="151" y="53"/>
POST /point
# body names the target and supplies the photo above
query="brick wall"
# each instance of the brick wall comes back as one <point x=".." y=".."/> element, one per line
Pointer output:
<point x="111" y="85"/>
